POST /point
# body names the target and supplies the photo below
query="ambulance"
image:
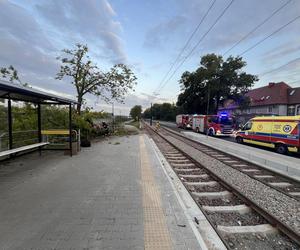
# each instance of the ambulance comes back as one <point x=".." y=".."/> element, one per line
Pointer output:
<point x="279" y="132"/>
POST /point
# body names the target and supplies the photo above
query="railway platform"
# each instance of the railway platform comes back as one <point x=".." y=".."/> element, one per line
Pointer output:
<point x="114" y="195"/>
<point x="283" y="164"/>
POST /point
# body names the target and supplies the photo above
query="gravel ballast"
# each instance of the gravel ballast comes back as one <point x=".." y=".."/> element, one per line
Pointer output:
<point x="283" y="207"/>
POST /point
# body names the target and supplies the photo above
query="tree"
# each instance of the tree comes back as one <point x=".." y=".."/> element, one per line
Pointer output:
<point x="88" y="79"/>
<point x="213" y="82"/>
<point x="164" y="112"/>
<point x="136" y="112"/>
<point x="10" y="73"/>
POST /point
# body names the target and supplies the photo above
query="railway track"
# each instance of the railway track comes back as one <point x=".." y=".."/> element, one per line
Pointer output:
<point x="240" y="222"/>
<point x="281" y="183"/>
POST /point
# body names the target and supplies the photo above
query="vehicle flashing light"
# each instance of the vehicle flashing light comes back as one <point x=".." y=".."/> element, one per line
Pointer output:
<point x="223" y="114"/>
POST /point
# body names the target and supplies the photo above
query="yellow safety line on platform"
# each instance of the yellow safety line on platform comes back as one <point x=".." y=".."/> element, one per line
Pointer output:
<point x="156" y="234"/>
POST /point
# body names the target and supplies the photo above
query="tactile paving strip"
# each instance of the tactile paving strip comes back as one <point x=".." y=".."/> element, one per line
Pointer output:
<point x="156" y="234"/>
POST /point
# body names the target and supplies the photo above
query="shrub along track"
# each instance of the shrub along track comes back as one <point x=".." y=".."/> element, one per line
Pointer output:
<point x="240" y="221"/>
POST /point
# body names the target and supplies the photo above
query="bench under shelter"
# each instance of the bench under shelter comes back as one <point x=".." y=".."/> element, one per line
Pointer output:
<point x="17" y="92"/>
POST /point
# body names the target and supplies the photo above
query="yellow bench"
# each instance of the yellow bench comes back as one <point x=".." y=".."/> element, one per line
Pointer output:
<point x="55" y="132"/>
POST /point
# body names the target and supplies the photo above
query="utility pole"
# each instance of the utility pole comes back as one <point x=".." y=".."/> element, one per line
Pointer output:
<point x="151" y="115"/>
<point x="208" y="97"/>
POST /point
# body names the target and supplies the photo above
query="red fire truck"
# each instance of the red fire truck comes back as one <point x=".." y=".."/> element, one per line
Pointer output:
<point x="219" y="125"/>
<point x="184" y="121"/>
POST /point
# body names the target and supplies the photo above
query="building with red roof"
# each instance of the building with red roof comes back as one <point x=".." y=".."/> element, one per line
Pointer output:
<point x="273" y="99"/>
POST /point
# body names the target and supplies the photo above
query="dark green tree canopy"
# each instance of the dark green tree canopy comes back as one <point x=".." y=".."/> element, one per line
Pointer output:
<point x="213" y="82"/>
<point x="136" y="112"/>
<point x="165" y="112"/>
<point x="89" y="79"/>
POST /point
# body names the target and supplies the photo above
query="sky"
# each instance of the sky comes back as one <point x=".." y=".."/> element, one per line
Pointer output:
<point x="146" y="35"/>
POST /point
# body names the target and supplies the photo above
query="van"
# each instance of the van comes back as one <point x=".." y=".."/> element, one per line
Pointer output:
<point x="278" y="132"/>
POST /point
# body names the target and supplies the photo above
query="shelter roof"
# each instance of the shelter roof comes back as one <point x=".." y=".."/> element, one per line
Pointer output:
<point x="21" y="93"/>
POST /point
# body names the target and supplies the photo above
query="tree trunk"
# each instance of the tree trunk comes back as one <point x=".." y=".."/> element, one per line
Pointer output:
<point x="79" y="104"/>
<point x="78" y="108"/>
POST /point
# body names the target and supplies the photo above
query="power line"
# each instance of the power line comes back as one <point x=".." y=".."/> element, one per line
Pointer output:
<point x="258" y="26"/>
<point x="279" y="68"/>
<point x="197" y="44"/>
<point x="273" y="33"/>
<point x="186" y="44"/>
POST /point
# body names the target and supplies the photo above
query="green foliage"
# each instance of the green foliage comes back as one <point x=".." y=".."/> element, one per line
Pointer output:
<point x="9" y="73"/>
<point x="89" y="79"/>
<point x="215" y="80"/>
<point x="136" y="112"/>
<point x="25" y="122"/>
<point x="164" y="112"/>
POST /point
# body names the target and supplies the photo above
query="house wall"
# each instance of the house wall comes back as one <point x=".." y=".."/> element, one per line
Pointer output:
<point x="282" y="110"/>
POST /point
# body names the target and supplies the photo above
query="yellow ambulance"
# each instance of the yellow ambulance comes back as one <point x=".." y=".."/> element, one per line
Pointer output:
<point x="279" y="132"/>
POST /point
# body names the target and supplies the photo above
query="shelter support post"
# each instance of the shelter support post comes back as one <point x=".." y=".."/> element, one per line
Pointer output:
<point x="70" y="129"/>
<point x="9" y="116"/>
<point x="39" y="126"/>
<point x="151" y="115"/>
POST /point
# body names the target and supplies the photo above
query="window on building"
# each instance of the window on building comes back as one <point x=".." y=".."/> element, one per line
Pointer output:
<point x="298" y="110"/>
<point x="291" y="110"/>
<point x="292" y="92"/>
<point x="270" y="109"/>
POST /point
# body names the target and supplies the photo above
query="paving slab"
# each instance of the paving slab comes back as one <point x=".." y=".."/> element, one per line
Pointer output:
<point x="94" y="200"/>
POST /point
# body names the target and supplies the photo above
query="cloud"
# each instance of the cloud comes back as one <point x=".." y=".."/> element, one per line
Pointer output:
<point x="239" y="19"/>
<point x="90" y="22"/>
<point x="131" y="100"/>
<point x="23" y="43"/>
<point x="160" y="35"/>
<point x="283" y="50"/>
<point x="17" y="23"/>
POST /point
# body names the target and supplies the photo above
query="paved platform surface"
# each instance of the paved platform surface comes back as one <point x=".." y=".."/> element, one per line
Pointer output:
<point x="111" y="196"/>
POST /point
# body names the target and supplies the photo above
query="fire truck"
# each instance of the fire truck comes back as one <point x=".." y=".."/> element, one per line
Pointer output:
<point x="214" y="125"/>
<point x="184" y="121"/>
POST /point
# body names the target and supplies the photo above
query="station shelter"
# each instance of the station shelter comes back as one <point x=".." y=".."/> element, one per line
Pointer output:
<point x="12" y="92"/>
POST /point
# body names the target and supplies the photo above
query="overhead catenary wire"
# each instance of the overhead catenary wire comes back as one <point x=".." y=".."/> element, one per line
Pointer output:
<point x="256" y="27"/>
<point x="273" y="33"/>
<point x="197" y="44"/>
<point x="279" y="68"/>
<point x="186" y="44"/>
